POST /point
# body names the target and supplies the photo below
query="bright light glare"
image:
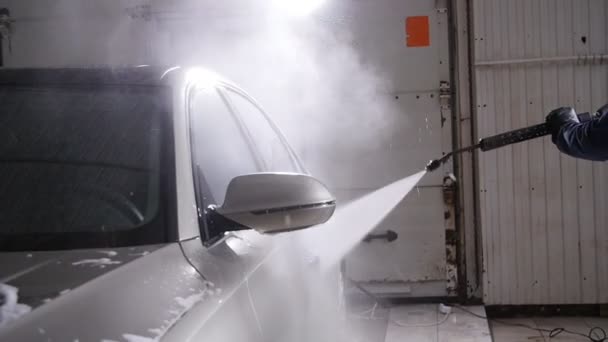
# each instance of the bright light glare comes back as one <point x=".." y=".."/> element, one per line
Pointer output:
<point x="299" y="7"/>
<point x="202" y="79"/>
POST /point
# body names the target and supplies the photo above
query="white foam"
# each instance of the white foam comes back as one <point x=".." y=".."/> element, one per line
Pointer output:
<point x="102" y="262"/>
<point x="139" y="254"/>
<point x="11" y="310"/>
<point x="137" y="338"/>
<point x="189" y="301"/>
<point x="155" y="331"/>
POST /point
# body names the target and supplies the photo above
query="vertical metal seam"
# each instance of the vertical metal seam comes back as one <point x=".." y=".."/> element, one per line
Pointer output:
<point x="479" y="247"/>
<point x="593" y="171"/>
<point x="530" y="223"/>
<point x="542" y="105"/>
<point x="488" y="220"/>
<point x="559" y="169"/>
<point x="498" y="84"/>
<point x="496" y="253"/>
<point x="496" y="215"/>
<point x="603" y="167"/>
<point x="516" y="247"/>
<point x="515" y="192"/>
<point x="588" y="97"/>
<point x="561" y="161"/>
<point x="489" y="263"/>
<point x="578" y="218"/>
<point x="509" y="81"/>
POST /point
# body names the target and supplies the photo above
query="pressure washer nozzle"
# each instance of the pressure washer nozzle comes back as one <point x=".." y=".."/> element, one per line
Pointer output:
<point x="433" y="165"/>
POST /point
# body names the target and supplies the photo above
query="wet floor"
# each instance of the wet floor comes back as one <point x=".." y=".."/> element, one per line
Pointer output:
<point x="418" y="322"/>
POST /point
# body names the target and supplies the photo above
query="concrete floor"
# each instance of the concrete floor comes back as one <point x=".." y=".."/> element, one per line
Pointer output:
<point x="418" y="323"/>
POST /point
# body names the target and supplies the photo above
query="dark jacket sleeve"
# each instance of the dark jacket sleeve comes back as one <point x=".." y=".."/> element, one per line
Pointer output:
<point x="587" y="140"/>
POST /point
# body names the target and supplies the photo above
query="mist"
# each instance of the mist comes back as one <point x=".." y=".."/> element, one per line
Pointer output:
<point x="332" y="241"/>
<point x="332" y="106"/>
<point x="335" y="107"/>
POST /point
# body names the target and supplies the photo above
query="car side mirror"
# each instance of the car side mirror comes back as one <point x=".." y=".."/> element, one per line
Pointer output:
<point x="277" y="202"/>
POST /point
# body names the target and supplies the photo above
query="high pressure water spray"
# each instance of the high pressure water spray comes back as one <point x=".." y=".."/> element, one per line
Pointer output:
<point x="503" y="139"/>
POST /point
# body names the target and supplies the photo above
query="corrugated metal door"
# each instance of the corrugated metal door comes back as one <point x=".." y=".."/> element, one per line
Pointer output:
<point x="543" y="214"/>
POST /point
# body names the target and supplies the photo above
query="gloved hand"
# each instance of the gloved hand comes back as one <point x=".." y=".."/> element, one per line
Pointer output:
<point x="602" y="110"/>
<point x="557" y="118"/>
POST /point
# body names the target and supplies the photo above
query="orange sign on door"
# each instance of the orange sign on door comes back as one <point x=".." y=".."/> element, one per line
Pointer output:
<point x="417" y="31"/>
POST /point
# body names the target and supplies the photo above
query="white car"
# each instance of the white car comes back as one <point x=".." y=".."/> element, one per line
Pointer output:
<point x="126" y="196"/>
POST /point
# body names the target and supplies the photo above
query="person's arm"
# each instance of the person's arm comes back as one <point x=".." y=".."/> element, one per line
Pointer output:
<point x="586" y="140"/>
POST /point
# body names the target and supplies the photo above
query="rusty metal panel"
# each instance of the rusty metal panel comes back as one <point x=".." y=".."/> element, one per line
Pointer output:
<point x="542" y="213"/>
<point x="469" y="246"/>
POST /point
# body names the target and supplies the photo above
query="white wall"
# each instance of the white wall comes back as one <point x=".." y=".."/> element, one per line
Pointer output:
<point x="543" y="214"/>
<point x="67" y="32"/>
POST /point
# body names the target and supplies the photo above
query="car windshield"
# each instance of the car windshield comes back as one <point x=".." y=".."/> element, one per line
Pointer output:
<point x="81" y="167"/>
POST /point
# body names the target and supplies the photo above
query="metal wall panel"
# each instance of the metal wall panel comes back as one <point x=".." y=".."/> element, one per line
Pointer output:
<point x="469" y="246"/>
<point x="543" y="214"/>
<point x="416" y="264"/>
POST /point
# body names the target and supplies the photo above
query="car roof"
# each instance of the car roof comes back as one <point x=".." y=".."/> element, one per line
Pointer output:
<point x="91" y="76"/>
<point x="143" y="75"/>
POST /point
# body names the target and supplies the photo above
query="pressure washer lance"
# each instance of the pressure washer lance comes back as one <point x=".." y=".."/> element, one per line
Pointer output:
<point x="500" y="140"/>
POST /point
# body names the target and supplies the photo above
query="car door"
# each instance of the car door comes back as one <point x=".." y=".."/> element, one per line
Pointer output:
<point x="255" y="301"/>
<point x="307" y="309"/>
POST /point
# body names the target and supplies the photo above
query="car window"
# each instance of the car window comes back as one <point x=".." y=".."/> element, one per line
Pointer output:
<point x="77" y="160"/>
<point x="273" y="152"/>
<point x="220" y="147"/>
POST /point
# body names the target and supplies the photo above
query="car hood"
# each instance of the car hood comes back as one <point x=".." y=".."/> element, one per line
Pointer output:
<point x="93" y="295"/>
<point x="41" y="277"/>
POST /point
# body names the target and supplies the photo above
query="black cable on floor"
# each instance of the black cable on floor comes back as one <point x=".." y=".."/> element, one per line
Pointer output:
<point x="552" y="332"/>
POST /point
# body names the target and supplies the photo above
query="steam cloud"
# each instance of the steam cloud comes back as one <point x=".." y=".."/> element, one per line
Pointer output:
<point x="334" y="107"/>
